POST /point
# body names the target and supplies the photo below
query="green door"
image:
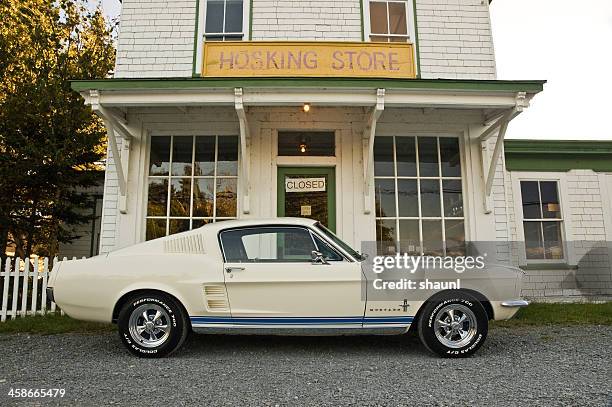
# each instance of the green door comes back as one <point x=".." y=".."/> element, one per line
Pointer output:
<point x="308" y="192"/>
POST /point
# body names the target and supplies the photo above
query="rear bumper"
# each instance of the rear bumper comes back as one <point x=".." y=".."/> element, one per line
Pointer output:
<point x="514" y="303"/>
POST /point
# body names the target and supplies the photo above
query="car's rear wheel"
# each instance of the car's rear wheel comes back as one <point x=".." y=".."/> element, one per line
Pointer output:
<point x="453" y="325"/>
<point x="152" y="325"/>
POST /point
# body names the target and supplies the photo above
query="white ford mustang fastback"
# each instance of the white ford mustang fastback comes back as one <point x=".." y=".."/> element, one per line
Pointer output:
<point x="276" y="276"/>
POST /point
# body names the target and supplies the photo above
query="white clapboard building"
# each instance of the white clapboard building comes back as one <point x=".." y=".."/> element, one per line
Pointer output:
<point x="382" y="119"/>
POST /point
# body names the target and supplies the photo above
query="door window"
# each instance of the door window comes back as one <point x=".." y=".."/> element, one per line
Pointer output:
<point x="268" y="245"/>
<point x="307" y="193"/>
<point x="328" y="253"/>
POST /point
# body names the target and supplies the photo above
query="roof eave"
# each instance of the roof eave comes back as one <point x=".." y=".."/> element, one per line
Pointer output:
<point x="529" y="86"/>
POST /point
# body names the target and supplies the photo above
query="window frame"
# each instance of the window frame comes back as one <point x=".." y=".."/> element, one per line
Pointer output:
<point x="440" y="178"/>
<point x="410" y="21"/>
<point x="201" y="30"/>
<point x="569" y="257"/>
<point x="311" y="232"/>
<point x="212" y="219"/>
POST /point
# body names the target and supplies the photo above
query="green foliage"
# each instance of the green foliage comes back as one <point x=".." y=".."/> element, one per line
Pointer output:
<point x="51" y="145"/>
<point x="533" y="315"/>
<point x="52" y="324"/>
<point x="561" y="314"/>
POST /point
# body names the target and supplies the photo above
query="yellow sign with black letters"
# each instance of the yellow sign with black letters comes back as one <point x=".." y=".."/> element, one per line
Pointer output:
<point x="308" y="59"/>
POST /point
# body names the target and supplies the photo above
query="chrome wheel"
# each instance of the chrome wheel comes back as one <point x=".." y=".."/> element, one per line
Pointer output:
<point x="455" y="326"/>
<point x="149" y="325"/>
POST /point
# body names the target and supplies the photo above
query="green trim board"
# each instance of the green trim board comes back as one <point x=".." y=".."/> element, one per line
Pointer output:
<point x="331" y="189"/>
<point x="558" y="155"/>
<point x="530" y="86"/>
<point x="250" y="20"/>
<point x="195" y="40"/>
<point x="361" y="11"/>
<point x="416" y="39"/>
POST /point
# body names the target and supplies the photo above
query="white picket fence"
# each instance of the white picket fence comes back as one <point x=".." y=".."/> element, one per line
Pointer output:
<point x="24" y="287"/>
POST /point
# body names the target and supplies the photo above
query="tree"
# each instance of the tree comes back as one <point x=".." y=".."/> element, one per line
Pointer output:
<point x="50" y="143"/>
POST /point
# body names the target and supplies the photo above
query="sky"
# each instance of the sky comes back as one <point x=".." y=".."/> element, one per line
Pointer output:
<point x="566" y="42"/>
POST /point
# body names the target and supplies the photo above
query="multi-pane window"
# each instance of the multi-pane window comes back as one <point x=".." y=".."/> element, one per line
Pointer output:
<point x="192" y="181"/>
<point x="419" y="197"/>
<point x="224" y="20"/>
<point x="389" y="21"/>
<point x="542" y="220"/>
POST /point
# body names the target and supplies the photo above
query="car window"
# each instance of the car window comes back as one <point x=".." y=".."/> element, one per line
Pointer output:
<point x="268" y="244"/>
<point x="328" y="253"/>
<point x="337" y="241"/>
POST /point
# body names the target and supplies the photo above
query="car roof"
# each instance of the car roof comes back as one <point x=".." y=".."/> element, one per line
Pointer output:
<point x="227" y="224"/>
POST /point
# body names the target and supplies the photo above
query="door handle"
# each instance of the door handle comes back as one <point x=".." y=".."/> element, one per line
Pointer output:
<point x="230" y="269"/>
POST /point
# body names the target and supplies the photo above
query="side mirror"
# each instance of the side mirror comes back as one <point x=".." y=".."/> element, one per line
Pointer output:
<point x="363" y="256"/>
<point x="318" y="258"/>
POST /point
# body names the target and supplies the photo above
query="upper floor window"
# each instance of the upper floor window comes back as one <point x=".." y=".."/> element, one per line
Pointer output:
<point x="389" y="20"/>
<point x="224" y="20"/>
<point x="542" y="219"/>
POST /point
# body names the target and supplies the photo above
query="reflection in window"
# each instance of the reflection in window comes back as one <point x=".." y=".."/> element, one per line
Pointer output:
<point x="192" y="181"/>
<point x="418" y="195"/>
<point x="224" y="20"/>
<point x="268" y="244"/>
<point x="542" y="220"/>
<point x="389" y="21"/>
<point x="307" y="143"/>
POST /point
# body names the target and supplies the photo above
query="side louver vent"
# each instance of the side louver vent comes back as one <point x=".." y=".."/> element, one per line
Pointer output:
<point x="216" y="299"/>
<point x="214" y="290"/>
<point x="185" y="244"/>
<point x="216" y="305"/>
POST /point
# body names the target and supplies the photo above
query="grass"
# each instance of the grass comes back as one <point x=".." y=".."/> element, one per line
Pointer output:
<point x="561" y="314"/>
<point x="533" y="315"/>
<point x="52" y="324"/>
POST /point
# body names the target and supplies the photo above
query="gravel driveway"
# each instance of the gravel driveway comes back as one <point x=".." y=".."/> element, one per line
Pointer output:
<point x="519" y="366"/>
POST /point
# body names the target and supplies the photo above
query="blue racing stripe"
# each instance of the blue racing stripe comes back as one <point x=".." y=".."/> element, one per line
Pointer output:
<point x="301" y="320"/>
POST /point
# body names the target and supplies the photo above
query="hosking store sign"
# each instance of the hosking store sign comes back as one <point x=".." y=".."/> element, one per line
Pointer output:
<point x="314" y="59"/>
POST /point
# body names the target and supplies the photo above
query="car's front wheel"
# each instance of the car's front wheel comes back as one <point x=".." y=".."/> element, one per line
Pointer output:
<point x="453" y="325"/>
<point x="152" y="325"/>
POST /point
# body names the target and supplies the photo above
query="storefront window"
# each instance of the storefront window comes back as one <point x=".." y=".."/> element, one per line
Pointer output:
<point x="542" y="220"/>
<point x="224" y="20"/>
<point x="419" y="197"/>
<point x="389" y="21"/>
<point x="192" y="181"/>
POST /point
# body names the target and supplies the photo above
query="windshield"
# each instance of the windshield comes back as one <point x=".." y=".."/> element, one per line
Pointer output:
<point x="339" y="242"/>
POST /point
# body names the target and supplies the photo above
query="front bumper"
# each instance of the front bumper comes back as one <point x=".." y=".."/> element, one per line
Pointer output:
<point x="514" y="303"/>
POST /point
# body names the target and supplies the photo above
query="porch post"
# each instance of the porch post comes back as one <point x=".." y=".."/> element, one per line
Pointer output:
<point x="368" y="149"/>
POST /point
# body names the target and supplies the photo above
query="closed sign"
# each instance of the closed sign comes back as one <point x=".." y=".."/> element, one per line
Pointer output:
<point x="304" y="184"/>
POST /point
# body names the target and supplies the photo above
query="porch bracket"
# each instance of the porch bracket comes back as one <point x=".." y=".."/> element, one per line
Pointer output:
<point x="244" y="144"/>
<point x="368" y="148"/>
<point x="489" y="161"/>
<point x="113" y="126"/>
